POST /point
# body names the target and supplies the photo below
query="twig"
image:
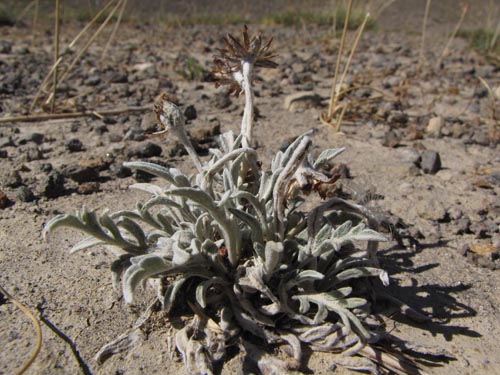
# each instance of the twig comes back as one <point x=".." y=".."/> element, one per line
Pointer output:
<point x="465" y="8"/>
<point x="38" y="329"/>
<point x="58" y="116"/>
<point x="56" y="57"/>
<point x="81" y="363"/>
<point x="424" y="31"/>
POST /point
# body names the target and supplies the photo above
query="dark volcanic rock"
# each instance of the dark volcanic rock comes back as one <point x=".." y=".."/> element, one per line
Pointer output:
<point x="13" y="179"/>
<point x="4" y="200"/>
<point x="120" y="171"/>
<point x="37" y="138"/>
<point x="24" y="194"/>
<point x="53" y="185"/>
<point x="431" y="162"/>
<point x="190" y="113"/>
<point x="74" y="145"/>
<point x="88" y="188"/>
<point x="145" y="150"/>
<point x="3" y="154"/>
<point x="80" y="173"/>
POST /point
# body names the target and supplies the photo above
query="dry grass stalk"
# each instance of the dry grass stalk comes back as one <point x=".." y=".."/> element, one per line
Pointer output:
<point x="36" y="324"/>
<point x="339" y="58"/>
<point x="337" y="92"/>
<point x="465" y="9"/>
<point x="56" y="57"/>
<point x="494" y="125"/>
<point x="44" y="86"/>
<point x="424" y="32"/>
<point x="115" y="29"/>
<point x="58" y="116"/>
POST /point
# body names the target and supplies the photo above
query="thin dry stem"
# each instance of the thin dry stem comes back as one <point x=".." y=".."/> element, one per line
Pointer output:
<point x="88" y="44"/>
<point x="465" y="9"/>
<point x="339" y="58"/>
<point x="57" y="116"/>
<point x="115" y="29"/>
<point x="56" y="57"/>
<point x="424" y="31"/>
<point x="38" y="330"/>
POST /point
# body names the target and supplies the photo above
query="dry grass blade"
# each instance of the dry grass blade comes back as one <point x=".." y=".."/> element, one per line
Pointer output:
<point x="445" y="51"/>
<point x="38" y="329"/>
<point x="424" y="32"/>
<point x="337" y="65"/>
<point x="44" y="83"/>
<point x="56" y="56"/>
<point x="58" y="116"/>
<point x="115" y="29"/>
<point x="88" y="44"/>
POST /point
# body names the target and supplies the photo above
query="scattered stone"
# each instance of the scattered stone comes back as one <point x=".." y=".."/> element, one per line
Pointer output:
<point x="114" y="138"/>
<point x="13" y="179"/>
<point x="75" y="125"/>
<point x="480" y="230"/>
<point x="120" y="171"/>
<point x="462" y="225"/>
<point x="88" y="188"/>
<point x="391" y="138"/>
<point x="302" y="100"/>
<point x="141" y="176"/>
<point x="74" y="145"/>
<point x="24" y="194"/>
<point x="5" y="46"/>
<point x="413" y="133"/>
<point x="80" y="173"/>
<point x="6" y="142"/>
<point x="119" y="78"/>
<point x="190" y="113"/>
<point x="45" y="168"/>
<point x="409" y="155"/>
<point x="431" y="210"/>
<point x="37" y="138"/>
<point x="221" y="100"/>
<point x="4" y="200"/>
<point x="431" y="162"/>
<point x="145" y="150"/>
<point x="32" y="153"/>
<point x="53" y="185"/>
<point x="455" y="213"/>
<point x="398" y="117"/>
<point x="3" y="154"/>
<point x="481" y="137"/>
<point x="435" y="126"/>
<point x="92" y="80"/>
<point x="134" y="134"/>
<point x="101" y="129"/>
<point x="406" y="188"/>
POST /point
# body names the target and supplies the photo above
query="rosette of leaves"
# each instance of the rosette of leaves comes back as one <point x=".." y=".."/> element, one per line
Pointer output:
<point x="231" y="248"/>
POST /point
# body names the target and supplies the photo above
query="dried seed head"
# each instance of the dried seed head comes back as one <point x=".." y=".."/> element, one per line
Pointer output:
<point x="230" y="59"/>
<point x="168" y="114"/>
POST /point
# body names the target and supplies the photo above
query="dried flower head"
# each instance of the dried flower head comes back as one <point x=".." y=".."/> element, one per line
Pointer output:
<point x="228" y="64"/>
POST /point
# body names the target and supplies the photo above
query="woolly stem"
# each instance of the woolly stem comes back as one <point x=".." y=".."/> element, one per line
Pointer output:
<point x="247" y="120"/>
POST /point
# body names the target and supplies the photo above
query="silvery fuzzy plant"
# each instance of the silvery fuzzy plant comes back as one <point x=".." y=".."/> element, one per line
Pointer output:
<point x="231" y="249"/>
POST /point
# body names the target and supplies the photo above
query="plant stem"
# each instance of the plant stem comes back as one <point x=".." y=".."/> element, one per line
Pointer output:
<point x="424" y="31"/>
<point x="247" y="120"/>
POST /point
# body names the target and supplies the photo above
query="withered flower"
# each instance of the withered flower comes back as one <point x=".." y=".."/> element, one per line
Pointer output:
<point x="229" y="62"/>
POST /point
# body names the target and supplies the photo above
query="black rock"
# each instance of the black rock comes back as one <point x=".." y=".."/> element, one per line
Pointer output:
<point x="24" y="194"/>
<point x="74" y="145"/>
<point x="33" y="153"/>
<point x="53" y="185"/>
<point x="5" y="46"/>
<point x="431" y="162"/>
<point x="81" y="174"/>
<point x="93" y="80"/>
<point x="222" y="100"/>
<point x="3" y="154"/>
<point x="145" y="150"/>
<point x="120" y="171"/>
<point x="37" y="138"/>
<point x="13" y="179"/>
<point x="45" y="167"/>
<point x="101" y="129"/>
<point x="119" y="78"/>
<point x="190" y="113"/>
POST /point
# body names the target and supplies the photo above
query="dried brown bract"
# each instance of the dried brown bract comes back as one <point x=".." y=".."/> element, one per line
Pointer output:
<point x="230" y="60"/>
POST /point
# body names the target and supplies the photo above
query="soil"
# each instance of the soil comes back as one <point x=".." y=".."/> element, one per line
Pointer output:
<point x="421" y="150"/>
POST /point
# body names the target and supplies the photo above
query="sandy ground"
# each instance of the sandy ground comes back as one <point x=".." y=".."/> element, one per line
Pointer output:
<point x="437" y="268"/>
